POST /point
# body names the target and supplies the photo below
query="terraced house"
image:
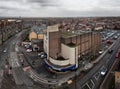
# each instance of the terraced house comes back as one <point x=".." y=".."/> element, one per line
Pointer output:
<point x="8" y="28"/>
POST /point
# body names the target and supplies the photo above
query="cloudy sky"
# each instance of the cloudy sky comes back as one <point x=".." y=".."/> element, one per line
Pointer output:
<point x="59" y="8"/>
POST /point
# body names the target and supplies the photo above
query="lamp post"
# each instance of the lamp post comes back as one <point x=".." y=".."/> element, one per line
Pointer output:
<point x="2" y="30"/>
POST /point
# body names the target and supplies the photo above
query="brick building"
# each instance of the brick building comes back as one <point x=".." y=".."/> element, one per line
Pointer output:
<point x="68" y="47"/>
<point x="117" y="79"/>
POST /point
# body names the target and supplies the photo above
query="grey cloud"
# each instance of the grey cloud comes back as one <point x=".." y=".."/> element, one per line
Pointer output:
<point x="94" y="12"/>
<point x="44" y="3"/>
<point x="38" y="1"/>
<point x="112" y="3"/>
<point x="7" y="8"/>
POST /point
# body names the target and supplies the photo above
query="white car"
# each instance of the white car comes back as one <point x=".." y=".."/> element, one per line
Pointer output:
<point x="100" y="51"/>
<point x="103" y="71"/>
<point x="5" y="51"/>
<point x="29" y="50"/>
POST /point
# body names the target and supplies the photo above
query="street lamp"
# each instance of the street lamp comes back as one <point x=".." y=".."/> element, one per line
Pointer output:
<point x="2" y="30"/>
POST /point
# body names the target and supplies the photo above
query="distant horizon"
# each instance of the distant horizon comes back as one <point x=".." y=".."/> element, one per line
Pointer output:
<point x="60" y="17"/>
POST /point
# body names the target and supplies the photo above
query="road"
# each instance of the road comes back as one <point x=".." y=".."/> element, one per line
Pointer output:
<point x="18" y="75"/>
<point x="4" y="57"/>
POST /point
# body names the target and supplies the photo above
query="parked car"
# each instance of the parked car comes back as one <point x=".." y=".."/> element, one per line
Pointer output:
<point x="106" y="46"/>
<point x="109" y="41"/>
<point x="115" y="37"/>
<point x="42" y="55"/>
<point x="29" y="50"/>
<point x="100" y="51"/>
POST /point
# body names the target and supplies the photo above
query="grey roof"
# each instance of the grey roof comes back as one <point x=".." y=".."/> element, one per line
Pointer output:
<point x="35" y="40"/>
<point x="38" y="29"/>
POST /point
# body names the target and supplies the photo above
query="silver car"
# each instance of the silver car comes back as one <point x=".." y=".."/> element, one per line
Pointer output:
<point x="103" y="71"/>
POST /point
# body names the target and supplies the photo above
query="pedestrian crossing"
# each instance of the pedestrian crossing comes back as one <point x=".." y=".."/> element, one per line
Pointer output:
<point x="13" y="60"/>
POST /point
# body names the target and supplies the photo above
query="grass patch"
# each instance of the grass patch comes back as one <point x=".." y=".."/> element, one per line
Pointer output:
<point x="26" y="38"/>
<point x="112" y="83"/>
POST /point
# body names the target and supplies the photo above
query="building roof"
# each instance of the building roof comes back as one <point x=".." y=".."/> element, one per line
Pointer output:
<point x="68" y="33"/>
<point x="35" y="40"/>
<point x="71" y="44"/>
<point x="53" y="28"/>
<point x="39" y="29"/>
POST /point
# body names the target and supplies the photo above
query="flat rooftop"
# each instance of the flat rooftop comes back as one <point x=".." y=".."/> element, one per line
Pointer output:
<point x="71" y="44"/>
<point x="73" y="33"/>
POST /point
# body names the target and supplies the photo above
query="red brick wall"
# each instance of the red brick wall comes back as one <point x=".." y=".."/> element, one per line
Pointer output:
<point x="54" y="45"/>
<point x="86" y="42"/>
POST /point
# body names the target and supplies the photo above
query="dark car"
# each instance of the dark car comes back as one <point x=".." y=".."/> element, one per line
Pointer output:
<point x="110" y="51"/>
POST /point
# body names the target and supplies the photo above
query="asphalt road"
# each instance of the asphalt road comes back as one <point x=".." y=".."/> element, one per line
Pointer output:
<point x="9" y="81"/>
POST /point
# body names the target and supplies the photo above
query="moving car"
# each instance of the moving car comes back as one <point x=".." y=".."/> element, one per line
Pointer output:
<point x="103" y="71"/>
<point x="5" y="51"/>
<point x="110" y="51"/>
<point x="117" y="53"/>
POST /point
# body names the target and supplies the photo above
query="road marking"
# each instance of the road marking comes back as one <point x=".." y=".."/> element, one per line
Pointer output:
<point x="97" y="75"/>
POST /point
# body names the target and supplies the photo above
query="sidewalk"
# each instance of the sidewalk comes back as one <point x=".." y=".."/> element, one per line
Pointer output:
<point x="101" y="56"/>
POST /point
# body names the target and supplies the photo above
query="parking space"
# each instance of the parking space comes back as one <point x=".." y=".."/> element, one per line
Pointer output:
<point x="97" y="76"/>
<point x="89" y="85"/>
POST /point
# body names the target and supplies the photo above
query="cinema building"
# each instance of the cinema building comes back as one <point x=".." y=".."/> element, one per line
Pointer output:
<point x="65" y="48"/>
